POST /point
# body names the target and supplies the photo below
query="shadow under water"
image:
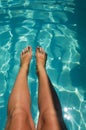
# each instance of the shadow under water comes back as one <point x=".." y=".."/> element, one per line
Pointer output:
<point x="57" y="106"/>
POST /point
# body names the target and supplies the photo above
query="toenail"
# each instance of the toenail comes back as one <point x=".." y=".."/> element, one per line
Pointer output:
<point x="40" y="49"/>
<point x="28" y="47"/>
<point x="22" y="52"/>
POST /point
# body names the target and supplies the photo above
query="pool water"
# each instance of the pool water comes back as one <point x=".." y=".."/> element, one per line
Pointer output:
<point x="59" y="27"/>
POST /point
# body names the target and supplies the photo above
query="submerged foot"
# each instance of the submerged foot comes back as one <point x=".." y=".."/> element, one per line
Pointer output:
<point x="26" y="57"/>
<point x="40" y="59"/>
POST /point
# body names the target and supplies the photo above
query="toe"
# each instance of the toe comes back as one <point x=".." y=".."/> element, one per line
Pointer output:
<point x="24" y="51"/>
<point x="40" y="50"/>
<point x="28" y="49"/>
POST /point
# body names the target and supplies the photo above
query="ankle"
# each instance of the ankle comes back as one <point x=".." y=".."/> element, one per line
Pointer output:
<point x="24" y="68"/>
<point x="40" y="69"/>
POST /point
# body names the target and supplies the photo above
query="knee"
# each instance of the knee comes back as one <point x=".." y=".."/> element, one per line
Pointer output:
<point x="50" y="118"/>
<point x="48" y="115"/>
<point x="18" y="113"/>
<point x="21" y="119"/>
<point x="21" y="116"/>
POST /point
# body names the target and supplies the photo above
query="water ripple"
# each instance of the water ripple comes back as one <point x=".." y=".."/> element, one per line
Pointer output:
<point x="51" y="25"/>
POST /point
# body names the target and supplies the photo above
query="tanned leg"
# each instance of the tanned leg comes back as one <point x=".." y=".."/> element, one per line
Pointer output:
<point x="19" y="115"/>
<point x="48" y="119"/>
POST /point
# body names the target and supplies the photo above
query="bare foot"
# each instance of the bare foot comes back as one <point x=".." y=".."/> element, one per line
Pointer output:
<point x="26" y="57"/>
<point x="40" y="59"/>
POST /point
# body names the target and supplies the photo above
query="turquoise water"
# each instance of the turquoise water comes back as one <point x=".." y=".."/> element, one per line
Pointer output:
<point x="59" y="27"/>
